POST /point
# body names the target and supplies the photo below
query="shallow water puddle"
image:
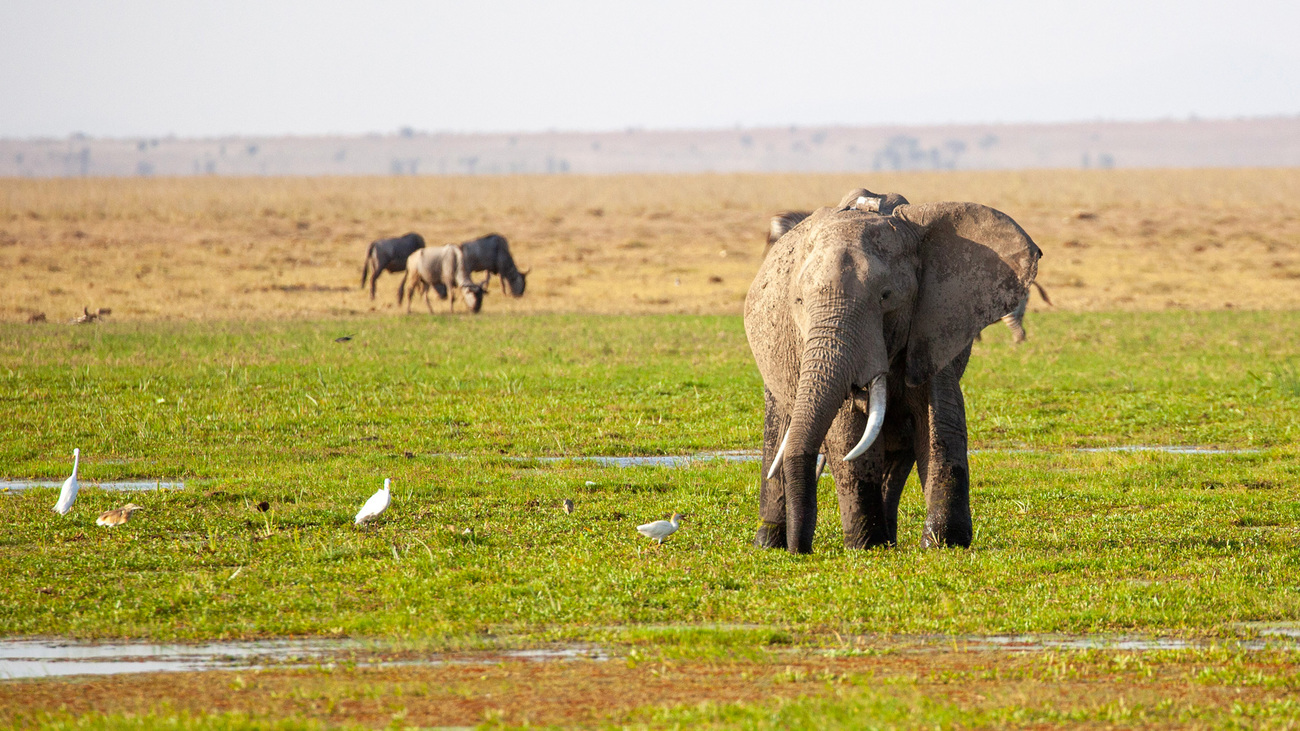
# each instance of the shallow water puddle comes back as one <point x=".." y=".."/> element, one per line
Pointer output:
<point x="675" y="460"/>
<point x="685" y="460"/>
<point x="16" y="486"/>
<point x="681" y="460"/>
<point x="52" y="658"/>
<point x="41" y="658"/>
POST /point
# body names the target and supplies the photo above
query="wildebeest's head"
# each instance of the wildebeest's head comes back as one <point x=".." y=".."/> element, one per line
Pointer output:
<point x="518" y="282"/>
<point x="474" y="294"/>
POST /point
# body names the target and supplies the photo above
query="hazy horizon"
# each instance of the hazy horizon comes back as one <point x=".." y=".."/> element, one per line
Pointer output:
<point x="294" y="68"/>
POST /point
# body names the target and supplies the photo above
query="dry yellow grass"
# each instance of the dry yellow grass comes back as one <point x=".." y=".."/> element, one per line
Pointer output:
<point x="216" y="248"/>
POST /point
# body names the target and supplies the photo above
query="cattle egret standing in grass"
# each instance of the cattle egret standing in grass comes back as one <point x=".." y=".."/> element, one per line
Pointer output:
<point x="377" y="504"/>
<point x="660" y="529"/>
<point x="68" y="495"/>
<point x="117" y="517"/>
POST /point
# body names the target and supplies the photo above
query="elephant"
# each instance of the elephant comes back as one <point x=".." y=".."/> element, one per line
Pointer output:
<point x="389" y="255"/>
<point x="786" y="220"/>
<point x="861" y="323"/>
<point x="491" y="253"/>
<point x="441" y="268"/>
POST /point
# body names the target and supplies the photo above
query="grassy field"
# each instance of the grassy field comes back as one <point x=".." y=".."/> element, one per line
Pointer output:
<point x="220" y="248"/>
<point x="708" y="629"/>
<point x="239" y="389"/>
<point x="279" y="412"/>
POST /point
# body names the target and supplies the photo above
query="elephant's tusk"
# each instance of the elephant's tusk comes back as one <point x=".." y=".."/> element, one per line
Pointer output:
<point x="821" y="466"/>
<point x="875" y="419"/>
<point x="776" y="461"/>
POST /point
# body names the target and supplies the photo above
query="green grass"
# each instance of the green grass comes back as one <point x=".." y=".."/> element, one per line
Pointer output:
<point x="279" y="412"/>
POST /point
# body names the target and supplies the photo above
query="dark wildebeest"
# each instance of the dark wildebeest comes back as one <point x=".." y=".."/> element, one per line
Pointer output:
<point x="864" y="200"/>
<point x="389" y="255"/>
<point x="491" y="253"/>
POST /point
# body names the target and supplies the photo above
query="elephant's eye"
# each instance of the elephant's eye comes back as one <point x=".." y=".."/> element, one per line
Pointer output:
<point x="885" y="295"/>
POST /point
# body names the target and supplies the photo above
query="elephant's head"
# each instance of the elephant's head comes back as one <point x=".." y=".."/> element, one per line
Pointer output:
<point x="851" y="294"/>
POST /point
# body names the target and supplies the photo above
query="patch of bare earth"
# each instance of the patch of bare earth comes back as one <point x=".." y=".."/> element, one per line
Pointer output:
<point x="223" y="248"/>
<point x="575" y="693"/>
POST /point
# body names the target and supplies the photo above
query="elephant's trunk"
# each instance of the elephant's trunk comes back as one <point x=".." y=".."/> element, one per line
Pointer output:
<point x="844" y="348"/>
<point x="832" y="355"/>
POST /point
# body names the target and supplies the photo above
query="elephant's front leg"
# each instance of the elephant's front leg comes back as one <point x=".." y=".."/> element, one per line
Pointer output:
<point x="868" y="488"/>
<point x="771" y="492"/>
<point x="941" y="456"/>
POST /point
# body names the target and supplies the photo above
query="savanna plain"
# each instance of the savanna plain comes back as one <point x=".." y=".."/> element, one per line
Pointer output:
<point x="1146" y="587"/>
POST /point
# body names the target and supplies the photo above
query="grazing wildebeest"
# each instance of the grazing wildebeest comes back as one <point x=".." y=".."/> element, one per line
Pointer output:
<point x="491" y="253"/>
<point x="864" y="200"/>
<point x="389" y="255"/>
<point x="441" y="268"/>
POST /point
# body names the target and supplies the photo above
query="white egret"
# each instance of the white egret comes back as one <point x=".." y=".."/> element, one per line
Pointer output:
<point x="68" y="495"/>
<point x="117" y="517"/>
<point x="661" y="529"/>
<point x="377" y="504"/>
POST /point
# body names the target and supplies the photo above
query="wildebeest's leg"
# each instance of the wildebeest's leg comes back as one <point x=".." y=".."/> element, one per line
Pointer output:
<point x="365" y="267"/>
<point x="401" y="288"/>
<point x="375" y="268"/>
<point x="771" y="492"/>
<point x="427" y="303"/>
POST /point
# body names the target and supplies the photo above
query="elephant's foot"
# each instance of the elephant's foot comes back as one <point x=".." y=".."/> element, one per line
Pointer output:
<point x="865" y="531"/>
<point x="868" y="541"/>
<point x="770" y="535"/>
<point x="946" y="535"/>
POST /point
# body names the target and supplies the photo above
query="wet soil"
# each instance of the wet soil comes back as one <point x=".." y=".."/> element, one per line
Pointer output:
<point x="475" y="689"/>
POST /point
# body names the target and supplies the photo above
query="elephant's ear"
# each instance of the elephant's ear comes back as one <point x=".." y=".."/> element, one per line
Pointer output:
<point x="976" y="266"/>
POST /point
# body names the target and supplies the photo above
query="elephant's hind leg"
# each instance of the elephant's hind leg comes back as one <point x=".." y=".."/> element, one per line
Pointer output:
<point x="869" y="487"/>
<point x="771" y="493"/>
<point x="857" y="483"/>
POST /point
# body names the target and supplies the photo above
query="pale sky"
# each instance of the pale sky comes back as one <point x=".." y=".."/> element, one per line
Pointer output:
<point x="134" y="68"/>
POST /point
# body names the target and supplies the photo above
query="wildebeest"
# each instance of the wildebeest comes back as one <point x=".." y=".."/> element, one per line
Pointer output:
<point x="389" y="255"/>
<point x="491" y="253"/>
<point x="441" y="268"/>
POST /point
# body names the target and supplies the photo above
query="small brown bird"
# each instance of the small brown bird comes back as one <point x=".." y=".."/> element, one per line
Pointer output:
<point x="117" y="517"/>
<point x="568" y="506"/>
